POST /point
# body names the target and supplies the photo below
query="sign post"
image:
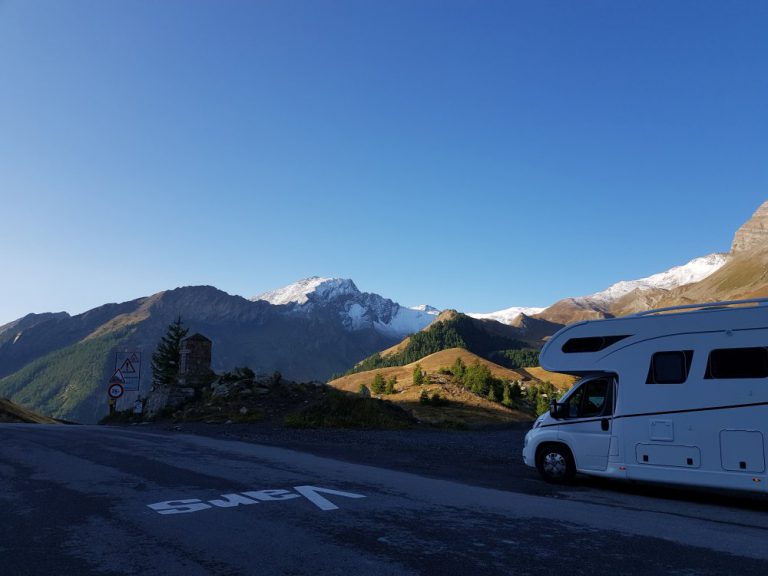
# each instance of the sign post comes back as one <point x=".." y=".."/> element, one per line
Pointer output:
<point x="115" y="390"/>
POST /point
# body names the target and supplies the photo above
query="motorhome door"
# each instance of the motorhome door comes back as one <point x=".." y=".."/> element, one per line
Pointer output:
<point x="588" y="422"/>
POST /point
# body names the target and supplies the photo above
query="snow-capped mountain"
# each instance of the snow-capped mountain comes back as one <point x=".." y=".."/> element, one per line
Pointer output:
<point x="507" y="315"/>
<point x="694" y="271"/>
<point x="630" y="296"/>
<point x="357" y="310"/>
<point x="602" y="303"/>
<point x="314" y="287"/>
<point x="426" y="308"/>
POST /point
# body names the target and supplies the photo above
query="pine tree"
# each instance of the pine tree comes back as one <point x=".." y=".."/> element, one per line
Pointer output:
<point x="506" y="397"/>
<point x="165" y="360"/>
<point x="459" y="369"/>
<point x="379" y="384"/>
<point x="418" y="375"/>
<point x="390" y="386"/>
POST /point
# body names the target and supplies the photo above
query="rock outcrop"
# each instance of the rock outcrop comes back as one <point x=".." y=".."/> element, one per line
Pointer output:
<point x="753" y="235"/>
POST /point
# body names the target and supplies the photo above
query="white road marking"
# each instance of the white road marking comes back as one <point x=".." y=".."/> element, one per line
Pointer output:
<point x="311" y="493"/>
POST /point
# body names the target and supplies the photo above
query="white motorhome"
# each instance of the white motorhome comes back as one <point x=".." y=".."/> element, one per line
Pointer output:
<point x="675" y="395"/>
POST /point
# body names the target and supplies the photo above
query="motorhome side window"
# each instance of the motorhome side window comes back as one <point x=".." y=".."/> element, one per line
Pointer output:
<point x="737" y="363"/>
<point x="591" y="344"/>
<point x="670" y="367"/>
<point x="589" y="400"/>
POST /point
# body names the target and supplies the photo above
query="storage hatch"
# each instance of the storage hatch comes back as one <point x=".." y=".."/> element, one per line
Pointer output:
<point x="742" y="450"/>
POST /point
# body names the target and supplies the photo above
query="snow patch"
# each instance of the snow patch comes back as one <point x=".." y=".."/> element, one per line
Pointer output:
<point x="405" y="321"/>
<point x="356" y="315"/>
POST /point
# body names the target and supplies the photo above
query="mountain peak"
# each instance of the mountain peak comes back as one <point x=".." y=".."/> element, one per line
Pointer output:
<point x="426" y="308"/>
<point x="753" y="233"/>
<point x="314" y="287"/>
<point x="506" y="316"/>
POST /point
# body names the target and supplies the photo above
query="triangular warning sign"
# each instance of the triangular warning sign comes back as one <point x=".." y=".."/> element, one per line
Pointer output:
<point x="127" y="367"/>
<point x="135" y="358"/>
<point x="117" y="377"/>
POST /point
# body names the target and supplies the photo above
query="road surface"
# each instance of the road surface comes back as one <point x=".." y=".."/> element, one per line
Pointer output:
<point x="81" y="500"/>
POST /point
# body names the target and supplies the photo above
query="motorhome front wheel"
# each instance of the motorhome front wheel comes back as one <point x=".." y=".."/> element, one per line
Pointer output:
<point x="555" y="464"/>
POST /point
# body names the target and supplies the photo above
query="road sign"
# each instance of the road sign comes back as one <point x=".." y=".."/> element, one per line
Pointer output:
<point x="115" y="390"/>
<point x="128" y="364"/>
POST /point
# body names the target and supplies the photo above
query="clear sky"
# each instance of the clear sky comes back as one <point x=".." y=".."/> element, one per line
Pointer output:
<point x="467" y="154"/>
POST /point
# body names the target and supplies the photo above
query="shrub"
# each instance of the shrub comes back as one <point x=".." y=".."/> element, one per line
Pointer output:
<point x="339" y="410"/>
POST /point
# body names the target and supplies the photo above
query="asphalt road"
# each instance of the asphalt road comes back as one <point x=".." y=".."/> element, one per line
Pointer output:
<point x="80" y="500"/>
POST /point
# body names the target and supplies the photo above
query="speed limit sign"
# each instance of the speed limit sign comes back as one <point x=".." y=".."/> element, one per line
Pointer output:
<point x="115" y="390"/>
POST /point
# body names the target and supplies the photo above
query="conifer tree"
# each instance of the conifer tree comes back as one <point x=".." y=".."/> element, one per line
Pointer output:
<point x="459" y="369"/>
<point x="506" y="397"/>
<point x="418" y="375"/>
<point x="390" y="386"/>
<point x="379" y="384"/>
<point x="167" y="355"/>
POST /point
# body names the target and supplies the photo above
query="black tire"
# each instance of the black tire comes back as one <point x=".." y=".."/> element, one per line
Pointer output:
<point x="555" y="464"/>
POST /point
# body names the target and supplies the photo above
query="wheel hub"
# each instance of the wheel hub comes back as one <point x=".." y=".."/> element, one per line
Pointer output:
<point x="554" y="465"/>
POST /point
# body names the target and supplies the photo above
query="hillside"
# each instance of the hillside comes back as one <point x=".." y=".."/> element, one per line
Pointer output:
<point x="60" y="364"/>
<point x="537" y="373"/>
<point x="488" y="339"/>
<point x="13" y="413"/>
<point x="431" y="363"/>
<point x="463" y="406"/>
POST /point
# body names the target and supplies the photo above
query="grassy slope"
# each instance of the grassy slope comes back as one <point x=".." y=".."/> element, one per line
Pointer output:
<point x="10" y="412"/>
<point x="561" y="381"/>
<point x="66" y="383"/>
<point x="465" y="407"/>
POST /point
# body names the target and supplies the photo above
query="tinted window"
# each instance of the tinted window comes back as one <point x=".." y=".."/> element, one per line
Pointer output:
<point x="594" y="398"/>
<point x="670" y="367"/>
<point x="593" y="344"/>
<point x="738" y="363"/>
<point x="589" y="400"/>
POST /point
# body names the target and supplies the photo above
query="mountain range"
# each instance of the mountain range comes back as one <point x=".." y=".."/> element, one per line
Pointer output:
<point x="59" y="364"/>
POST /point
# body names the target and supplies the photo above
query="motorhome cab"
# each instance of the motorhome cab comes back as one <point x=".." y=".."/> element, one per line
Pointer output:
<point x="676" y="395"/>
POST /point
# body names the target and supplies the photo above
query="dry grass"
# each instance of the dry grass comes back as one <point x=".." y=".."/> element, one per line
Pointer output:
<point x="561" y="381"/>
<point x="464" y="408"/>
<point x="10" y="412"/>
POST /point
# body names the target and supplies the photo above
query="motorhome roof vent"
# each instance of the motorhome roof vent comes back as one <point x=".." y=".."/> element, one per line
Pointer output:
<point x="591" y="344"/>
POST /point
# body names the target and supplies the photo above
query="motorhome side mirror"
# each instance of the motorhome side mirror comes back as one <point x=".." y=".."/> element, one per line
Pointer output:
<point x="557" y="410"/>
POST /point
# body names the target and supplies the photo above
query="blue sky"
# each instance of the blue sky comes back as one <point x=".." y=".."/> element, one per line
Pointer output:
<point x="474" y="155"/>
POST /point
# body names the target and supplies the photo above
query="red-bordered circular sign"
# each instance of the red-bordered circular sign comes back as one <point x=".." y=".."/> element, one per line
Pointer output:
<point x="115" y="390"/>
